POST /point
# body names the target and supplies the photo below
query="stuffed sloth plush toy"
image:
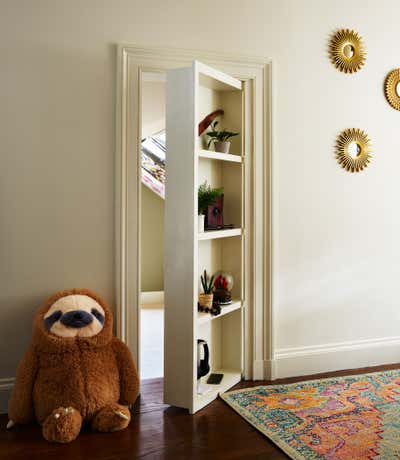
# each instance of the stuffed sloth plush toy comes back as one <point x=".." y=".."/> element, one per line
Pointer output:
<point x="75" y="371"/>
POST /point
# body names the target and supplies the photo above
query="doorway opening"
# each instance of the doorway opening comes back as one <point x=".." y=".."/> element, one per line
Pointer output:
<point x="135" y="65"/>
<point x="152" y="193"/>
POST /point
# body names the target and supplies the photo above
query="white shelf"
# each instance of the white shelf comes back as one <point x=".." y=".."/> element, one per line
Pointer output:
<point x="203" y="318"/>
<point x="219" y="156"/>
<point x="230" y="379"/>
<point x="192" y="93"/>
<point x="214" y="234"/>
<point x="214" y="79"/>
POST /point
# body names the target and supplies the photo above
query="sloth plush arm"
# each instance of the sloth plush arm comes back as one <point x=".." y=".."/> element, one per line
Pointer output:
<point x="21" y="404"/>
<point x="128" y="376"/>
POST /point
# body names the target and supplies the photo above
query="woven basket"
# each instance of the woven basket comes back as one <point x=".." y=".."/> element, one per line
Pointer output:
<point x="206" y="300"/>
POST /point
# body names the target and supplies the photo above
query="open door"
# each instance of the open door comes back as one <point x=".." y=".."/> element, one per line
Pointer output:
<point x="192" y="94"/>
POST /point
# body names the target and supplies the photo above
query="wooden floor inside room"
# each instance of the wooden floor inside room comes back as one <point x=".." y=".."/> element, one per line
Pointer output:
<point x="158" y="431"/>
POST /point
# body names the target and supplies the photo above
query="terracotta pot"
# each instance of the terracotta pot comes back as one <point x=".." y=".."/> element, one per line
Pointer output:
<point x="206" y="300"/>
<point x="222" y="147"/>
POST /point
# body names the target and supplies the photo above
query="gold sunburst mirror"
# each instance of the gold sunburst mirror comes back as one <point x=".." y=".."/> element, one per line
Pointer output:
<point x="353" y="149"/>
<point x="392" y="88"/>
<point x="347" y="51"/>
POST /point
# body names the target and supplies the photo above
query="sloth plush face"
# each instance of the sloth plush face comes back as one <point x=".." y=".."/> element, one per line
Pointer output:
<point x="74" y="315"/>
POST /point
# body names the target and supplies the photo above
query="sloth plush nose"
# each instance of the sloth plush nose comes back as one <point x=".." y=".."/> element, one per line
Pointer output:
<point x="76" y="318"/>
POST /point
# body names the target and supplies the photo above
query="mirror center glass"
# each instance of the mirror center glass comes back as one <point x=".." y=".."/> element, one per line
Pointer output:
<point x="398" y="89"/>
<point x="354" y="149"/>
<point x="348" y="51"/>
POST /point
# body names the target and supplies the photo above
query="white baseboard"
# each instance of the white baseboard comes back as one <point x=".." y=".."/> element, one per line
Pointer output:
<point x="291" y="362"/>
<point x="6" y="385"/>
<point x="259" y="369"/>
<point x="152" y="299"/>
<point x="263" y="369"/>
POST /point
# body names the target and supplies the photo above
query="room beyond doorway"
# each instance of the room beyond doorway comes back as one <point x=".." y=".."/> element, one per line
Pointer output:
<point x="152" y="195"/>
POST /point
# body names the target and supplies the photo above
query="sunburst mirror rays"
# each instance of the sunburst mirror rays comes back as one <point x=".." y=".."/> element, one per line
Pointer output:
<point x="392" y="88"/>
<point x="347" y="51"/>
<point x="353" y="149"/>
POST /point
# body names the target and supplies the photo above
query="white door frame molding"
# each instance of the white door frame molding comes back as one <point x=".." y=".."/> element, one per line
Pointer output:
<point x="132" y="61"/>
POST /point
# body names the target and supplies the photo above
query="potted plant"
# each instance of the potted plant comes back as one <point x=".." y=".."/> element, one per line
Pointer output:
<point x="220" y="138"/>
<point x="206" y="196"/>
<point x="206" y="298"/>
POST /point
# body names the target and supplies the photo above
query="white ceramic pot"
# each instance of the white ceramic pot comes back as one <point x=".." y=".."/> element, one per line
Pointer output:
<point x="222" y="147"/>
<point x="200" y="223"/>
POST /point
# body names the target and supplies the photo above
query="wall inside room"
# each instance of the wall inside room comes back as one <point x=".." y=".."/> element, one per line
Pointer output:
<point x="152" y="210"/>
<point x="335" y="242"/>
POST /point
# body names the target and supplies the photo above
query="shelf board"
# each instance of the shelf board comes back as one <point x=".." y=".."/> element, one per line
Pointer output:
<point x="230" y="379"/>
<point x="203" y="318"/>
<point x="215" y="79"/>
<point x="219" y="156"/>
<point x="214" y="234"/>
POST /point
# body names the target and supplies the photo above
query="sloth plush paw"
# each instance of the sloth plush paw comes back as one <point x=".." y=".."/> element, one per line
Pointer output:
<point x="62" y="425"/>
<point x="111" y="418"/>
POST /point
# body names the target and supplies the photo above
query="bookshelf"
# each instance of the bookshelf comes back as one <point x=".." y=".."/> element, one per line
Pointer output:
<point x="192" y="93"/>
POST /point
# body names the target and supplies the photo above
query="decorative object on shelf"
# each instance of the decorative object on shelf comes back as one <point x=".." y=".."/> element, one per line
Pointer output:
<point x="206" y="196"/>
<point x="347" y="51"/>
<point x="215" y="309"/>
<point x="203" y="364"/>
<point x="214" y="217"/>
<point x="223" y="283"/>
<point x="206" y="298"/>
<point x="206" y="121"/>
<point x="220" y="138"/>
<point x="353" y="149"/>
<point x="223" y="227"/>
<point x="392" y="88"/>
<point x="215" y="379"/>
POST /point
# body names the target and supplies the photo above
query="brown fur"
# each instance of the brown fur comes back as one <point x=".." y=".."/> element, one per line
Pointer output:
<point x="63" y="429"/>
<point x="86" y="373"/>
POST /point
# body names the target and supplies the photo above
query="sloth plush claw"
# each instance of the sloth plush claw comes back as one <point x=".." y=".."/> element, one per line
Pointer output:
<point x="10" y="424"/>
<point x="75" y="371"/>
<point x="62" y="425"/>
<point x="112" y="418"/>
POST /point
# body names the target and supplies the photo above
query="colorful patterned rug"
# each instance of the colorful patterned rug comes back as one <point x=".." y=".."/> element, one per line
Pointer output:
<point x="341" y="418"/>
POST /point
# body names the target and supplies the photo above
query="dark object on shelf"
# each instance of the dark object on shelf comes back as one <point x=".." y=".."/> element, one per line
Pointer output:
<point x="215" y="310"/>
<point x="223" y="227"/>
<point x="203" y="357"/>
<point x="222" y="297"/>
<point x="215" y="379"/>
<point x="215" y="214"/>
<point x="206" y="122"/>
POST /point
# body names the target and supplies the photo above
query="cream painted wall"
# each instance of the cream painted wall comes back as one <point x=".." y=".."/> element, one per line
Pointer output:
<point x="336" y="245"/>
<point x="152" y="211"/>
<point x="152" y="269"/>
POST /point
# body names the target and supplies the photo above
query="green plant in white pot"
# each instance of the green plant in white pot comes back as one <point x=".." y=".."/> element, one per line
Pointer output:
<point x="220" y="139"/>
<point x="206" y="196"/>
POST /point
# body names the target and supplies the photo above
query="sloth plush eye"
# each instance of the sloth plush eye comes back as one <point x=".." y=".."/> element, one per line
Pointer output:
<point x="98" y="315"/>
<point x="53" y="318"/>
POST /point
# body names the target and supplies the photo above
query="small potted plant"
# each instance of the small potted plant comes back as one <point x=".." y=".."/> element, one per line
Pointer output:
<point x="220" y="139"/>
<point x="206" y="197"/>
<point x="206" y="298"/>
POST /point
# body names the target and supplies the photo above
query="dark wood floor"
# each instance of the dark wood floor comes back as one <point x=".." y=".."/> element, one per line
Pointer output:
<point x="159" y="432"/>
